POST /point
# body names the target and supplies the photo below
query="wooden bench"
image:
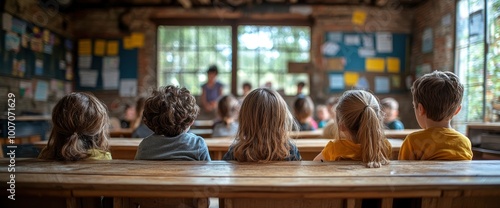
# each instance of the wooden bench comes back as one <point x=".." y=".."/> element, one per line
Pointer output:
<point x="308" y="148"/>
<point x="274" y="184"/>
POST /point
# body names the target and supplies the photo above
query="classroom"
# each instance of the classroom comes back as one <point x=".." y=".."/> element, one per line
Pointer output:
<point x="250" y="103"/>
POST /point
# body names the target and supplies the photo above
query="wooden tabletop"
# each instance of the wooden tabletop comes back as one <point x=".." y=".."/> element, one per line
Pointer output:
<point x="202" y="124"/>
<point x="126" y="148"/>
<point x="305" y="179"/>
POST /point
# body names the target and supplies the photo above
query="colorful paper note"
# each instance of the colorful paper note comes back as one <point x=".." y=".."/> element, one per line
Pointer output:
<point x="99" y="47"/>
<point x="127" y="43"/>
<point x="137" y="40"/>
<point x="41" y="91"/>
<point x="85" y="47"/>
<point x="382" y="84"/>
<point x="393" y="65"/>
<point x="112" y="48"/>
<point x="128" y="88"/>
<point x="351" y="78"/>
<point x="335" y="64"/>
<point x="375" y="64"/>
<point x="396" y="81"/>
<point x="359" y="17"/>
<point x="336" y="81"/>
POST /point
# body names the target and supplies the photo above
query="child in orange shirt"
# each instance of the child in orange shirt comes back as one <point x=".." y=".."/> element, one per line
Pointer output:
<point x="361" y="136"/>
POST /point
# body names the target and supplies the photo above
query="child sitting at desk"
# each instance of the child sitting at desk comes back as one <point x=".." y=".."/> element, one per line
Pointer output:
<point x="361" y="135"/>
<point x="79" y="129"/>
<point x="263" y="134"/>
<point x="437" y="97"/>
<point x="169" y="113"/>
<point x="391" y="110"/>
<point x="227" y="109"/>
<point x="303" y="109"/>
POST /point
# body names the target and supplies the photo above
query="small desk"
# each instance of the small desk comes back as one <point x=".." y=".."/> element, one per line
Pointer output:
<point x="308" y="148"/>
<point x="123" y="133"/>
<point x="202" y="124"/>
<point x="274" y="184"/>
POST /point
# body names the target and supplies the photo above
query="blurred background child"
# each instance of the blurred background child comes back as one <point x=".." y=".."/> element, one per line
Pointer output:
<point x="212" y="90"/>
<point x="323" y="115"/>
<point x="391" y="110"/>
<point x="228" y="109"/>
<point x="303" y="109"/>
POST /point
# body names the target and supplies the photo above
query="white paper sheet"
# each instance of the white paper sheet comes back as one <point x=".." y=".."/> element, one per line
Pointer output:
<point x="41" y="91"/>
<point x="352" y="40"/>
<point x="110" y="79"/>
<point x="382" y="84"/>
<point x="384" y="42"/>
<point x="88" y="77"/>
<point x="84" y="62"/>
<point x="128" y="87"/>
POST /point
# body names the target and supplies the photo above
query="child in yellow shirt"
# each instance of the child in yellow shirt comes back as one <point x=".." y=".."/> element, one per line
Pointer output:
<point x="360" y="136"/>
<point x="437" y="97"/>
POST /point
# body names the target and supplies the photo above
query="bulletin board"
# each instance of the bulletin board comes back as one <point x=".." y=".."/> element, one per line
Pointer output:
<point x="372" y="61"/>
<point x="97" y="75"/>
<point x="22" y="59"/>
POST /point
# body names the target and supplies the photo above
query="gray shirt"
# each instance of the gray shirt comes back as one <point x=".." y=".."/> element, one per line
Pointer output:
<point x="220" y="129"/>
<point x="186" y="146"/>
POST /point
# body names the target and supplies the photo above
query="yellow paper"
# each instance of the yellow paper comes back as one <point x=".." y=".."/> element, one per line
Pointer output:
<point x="46" y="36"/>
<point x="396" y="81"/>
<point x="351" y="78"/>
<point x="335" y="64"/>
<point x="375" y="64"/>
<point x="99" y="47"/>
<point x="127" y="43"/>
<point x="84" y="47"/>
<point x="112" y="48"/>
<point x="359" y="17"/>
<point x="393" y="64"/>
<point x="137" y="40"/>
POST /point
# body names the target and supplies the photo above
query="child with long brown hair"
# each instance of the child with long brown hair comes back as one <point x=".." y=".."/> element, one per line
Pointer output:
<point x="263" y="133"/>
<point x="79" y="129"/>
<point x="303" y="109"/>
<point x="227" y="109"/>
<point x="361" y="131"/>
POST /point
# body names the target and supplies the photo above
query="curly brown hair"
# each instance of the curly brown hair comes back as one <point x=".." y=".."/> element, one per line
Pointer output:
<point x="170" y="111"/>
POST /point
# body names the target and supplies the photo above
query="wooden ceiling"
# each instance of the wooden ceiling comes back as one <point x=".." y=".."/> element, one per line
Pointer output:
<point x="73" y="5"/>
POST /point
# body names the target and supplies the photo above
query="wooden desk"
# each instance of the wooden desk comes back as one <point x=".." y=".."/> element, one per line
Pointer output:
<point x="308" y="148"/>
<point x="394" y="134"/>
<point x="202" y="124"/>
<point x="485" y="139"/>
<point x="123" y="133"/>
<point x="205" y="133"/>
<point x="274" y="184"/>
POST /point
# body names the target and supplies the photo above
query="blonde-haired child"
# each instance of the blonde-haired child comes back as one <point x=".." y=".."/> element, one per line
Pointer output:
<point x="361" y="131"/>
<point x="227" y="109"/>
<point x="79" y="129"/>
<point x="263" y="134"/>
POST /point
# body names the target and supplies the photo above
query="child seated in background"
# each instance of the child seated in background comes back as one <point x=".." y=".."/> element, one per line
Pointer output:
<point x="303" y="109"/>
<point x="437" y="97"/>
<point x="331" y="104"/>
<point x="227" y="109"/>
<point x="360" y="131"/>
<point x="169" y="113"/>
<point x="263" y="134"/>
<point x="323" y="115"/>
<point x="140" y="129"/>
<point x="79" y="130"/>
<point x="391" y="109"/>
<point x="129" y="115"/>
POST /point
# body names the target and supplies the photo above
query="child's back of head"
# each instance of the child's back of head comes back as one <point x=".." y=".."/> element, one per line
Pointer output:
<point x="228" y="108"/>
<point x="390" y="107"/>
<point x="439" y="93"/>
<point x="303" y="109"/>
<point x="170" y="111"/>
<point x="360" y="116"/>
<point x="79" y="129"/>
<point x="264" y="126"/>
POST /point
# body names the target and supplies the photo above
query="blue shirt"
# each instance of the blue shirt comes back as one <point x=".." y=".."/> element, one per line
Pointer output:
<point x="185" y="146"/>
<point x="396" y="125"/>
<point x="221" y="129"/>
<point x="212" y="93"/>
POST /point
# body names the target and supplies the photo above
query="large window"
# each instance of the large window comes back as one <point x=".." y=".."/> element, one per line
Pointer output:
<point x="478" y="60"/>
<point x="185" y="52"/>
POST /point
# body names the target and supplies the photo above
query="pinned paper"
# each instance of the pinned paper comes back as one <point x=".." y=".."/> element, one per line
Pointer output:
<point x="69" y="72"/>
<point x="382" y="84"/>
<point x="363" y="84"/>
<point x="359" y="17"/>
<point x="330" y="48"/>
<point x="84" y="47"/>
<point x="84" y="62"/>
<point x="12" y="42"/>
<point x="375" y="64"/>
<point x="128" y="88"/>
<point x="39" y="67"/>
<point x="18" y="26"/>
<point x="99" y="47"/>
<point x="88" y="77"/>
<point x="351" y="78"/>
<point x="36" y="44"/>
<point x="48" y="49"/>
<point x="24" y="40"/>
<point x="393" y="65"/>
<point x="127" y="43"/>
<point x="384" y="42"/>
<point x="368" y="41"/>
<point x="396" y="81"/>
<point x="26" y="89"/>
<point x="335" y="64"/>
<point x="110" y="79"/>
<point x="18" y="67"/>
<point x="62" y="65"/>
<point x="352" y="40"/>
<point x="366" y="52"/>
<point x="41" y="91"/>
<point x="110" y="63"/>
<point x="137" y="40"/>
<point x="112" y="48"/>
<point x="336" y="81"/>
<point x="335" y="37"/>
<point x="46" y="36"/>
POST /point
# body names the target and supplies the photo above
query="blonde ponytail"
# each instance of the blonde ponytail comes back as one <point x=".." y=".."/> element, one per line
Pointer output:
<point x="370" y="135"/>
